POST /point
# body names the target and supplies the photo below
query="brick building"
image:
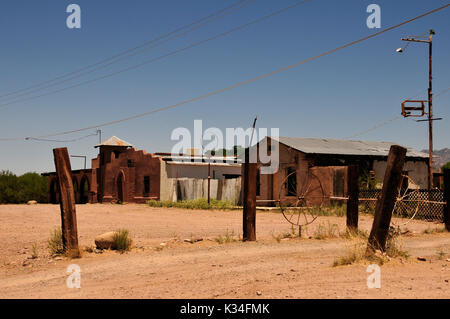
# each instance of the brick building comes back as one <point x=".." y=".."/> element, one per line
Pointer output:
<point x="327" y="159"/>
<point x="121" y="173"/>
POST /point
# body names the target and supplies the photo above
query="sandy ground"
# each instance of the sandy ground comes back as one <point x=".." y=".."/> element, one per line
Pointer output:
<point x="268" y="268"/>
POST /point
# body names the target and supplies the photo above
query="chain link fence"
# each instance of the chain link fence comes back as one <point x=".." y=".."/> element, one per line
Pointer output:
<point x="422" y="204"/>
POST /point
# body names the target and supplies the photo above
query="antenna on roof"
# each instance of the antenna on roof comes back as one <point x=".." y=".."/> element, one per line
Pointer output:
<point x="99" y="133"/>
<point x="253" y="130"/>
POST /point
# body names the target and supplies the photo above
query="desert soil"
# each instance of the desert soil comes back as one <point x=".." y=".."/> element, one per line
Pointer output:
<point x="162" y="265"/>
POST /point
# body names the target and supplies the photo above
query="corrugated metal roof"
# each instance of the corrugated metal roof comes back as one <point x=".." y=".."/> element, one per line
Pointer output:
<point x="114" y="141"/>
<point x="344" y="147"/>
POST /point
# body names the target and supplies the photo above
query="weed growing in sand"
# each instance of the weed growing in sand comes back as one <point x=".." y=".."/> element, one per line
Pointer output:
<point x="291" y="234"/>
<point x="354" y="254"/>
<point x="333" y="210"/>
<point x="278" y="237"/>
<point x="122" y="240"/>
<point x="34" y="251"/>
<point x="227" y="238"/>
<point x="430" y="230"/>
<point x="355" y="234"/>
<point x="325" y="232"/>
<point x="357" y="252"/>
<point x="55" y="243"/>
<point x="394" y="248"/>
<point x="440" y="253"/>
<point x="201" y="203"/>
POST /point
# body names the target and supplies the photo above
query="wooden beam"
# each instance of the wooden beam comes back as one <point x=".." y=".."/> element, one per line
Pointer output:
<point x="447" y="198"/>
<point x="67" y="202"/>
<point x="385" y="204"/>
<point x="353" y="195"/>
<point x="249" y="199"/>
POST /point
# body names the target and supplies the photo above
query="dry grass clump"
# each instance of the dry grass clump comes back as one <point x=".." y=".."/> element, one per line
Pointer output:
<point x="394" y="247"/>
<point x="358" y="252"/>
<point x="55" y="243"/>
<point x="353" y="234"/>
<point x="34" y="251"/>
<point x="430" y="230"/>
<point x="354" y="254"/>
<point x="201" y="203"/>
<point x="228" y="237"/>
<point x="122" y="240"/>
<point x="287" y="234"/>
<point x="332" y="210"/>
<point x="326" y="232"/>
<point x="440" y="253"/>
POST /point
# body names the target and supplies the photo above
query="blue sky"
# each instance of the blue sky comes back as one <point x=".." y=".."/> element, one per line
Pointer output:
<point x="333" y="97"/>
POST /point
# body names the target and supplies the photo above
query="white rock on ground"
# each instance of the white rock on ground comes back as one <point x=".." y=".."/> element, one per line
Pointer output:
<point x="105" y="241"/>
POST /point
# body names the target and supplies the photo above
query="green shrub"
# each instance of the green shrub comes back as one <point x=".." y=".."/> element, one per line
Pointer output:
<point x="21" y="189"/>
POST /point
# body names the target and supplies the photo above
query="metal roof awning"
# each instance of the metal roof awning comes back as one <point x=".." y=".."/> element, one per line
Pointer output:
<point x="344" y="147"/>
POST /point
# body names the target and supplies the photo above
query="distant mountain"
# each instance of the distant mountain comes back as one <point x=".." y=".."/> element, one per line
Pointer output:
<point x="440" y="158"/>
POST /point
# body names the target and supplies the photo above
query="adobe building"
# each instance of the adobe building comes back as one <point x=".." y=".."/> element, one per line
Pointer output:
<point x="121" y="173"/>
<point x="327" y="159"/>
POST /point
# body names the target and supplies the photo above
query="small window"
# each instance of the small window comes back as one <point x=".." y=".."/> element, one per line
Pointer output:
<point x="291" y="183"/>
<point x="146" y="184"/>
<point x="116" y="154"/>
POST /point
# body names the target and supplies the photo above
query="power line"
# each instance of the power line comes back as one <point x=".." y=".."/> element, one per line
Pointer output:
<point x="247" y="81"/>
<point x="388" y="121"/>
<point x="138" y="47"/>
<point x="375" y="127"/>
<point x="159" y="57"/>
<point x="442" y="92"/>
<point x="60" y="141"/>
<point x="124" y="57"/>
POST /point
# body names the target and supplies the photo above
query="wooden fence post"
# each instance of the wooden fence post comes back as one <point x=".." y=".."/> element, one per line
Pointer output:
<point x="447" y="198"/>
<point x="353" y="196"/>
<point x="67" y="202"/>
<point x="385" y="204"/>
<point x="249" y="199"/>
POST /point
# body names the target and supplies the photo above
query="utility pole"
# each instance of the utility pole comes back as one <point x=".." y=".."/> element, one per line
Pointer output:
<point x="430" y="109"/>
<point x="406" y="110"/>
<point x="209" y="180"/>
<point x="99" y="132"/>
<point x="249" y="193"/>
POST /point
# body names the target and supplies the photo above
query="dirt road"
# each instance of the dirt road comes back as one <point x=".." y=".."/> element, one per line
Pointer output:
<point x="268" y="268"/>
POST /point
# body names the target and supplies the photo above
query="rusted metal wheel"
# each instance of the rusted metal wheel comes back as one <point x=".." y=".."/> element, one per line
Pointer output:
<point x="408" y="200"/>
<point x="300" y="206"/>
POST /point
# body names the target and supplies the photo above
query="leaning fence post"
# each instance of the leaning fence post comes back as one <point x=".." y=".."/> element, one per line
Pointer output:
<point x="385" y="204"/>
<point x="67" y="202"/>
<point x="353" y="195"/>
<point x="249" y="198"/>
<point x="447" y="198"/>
